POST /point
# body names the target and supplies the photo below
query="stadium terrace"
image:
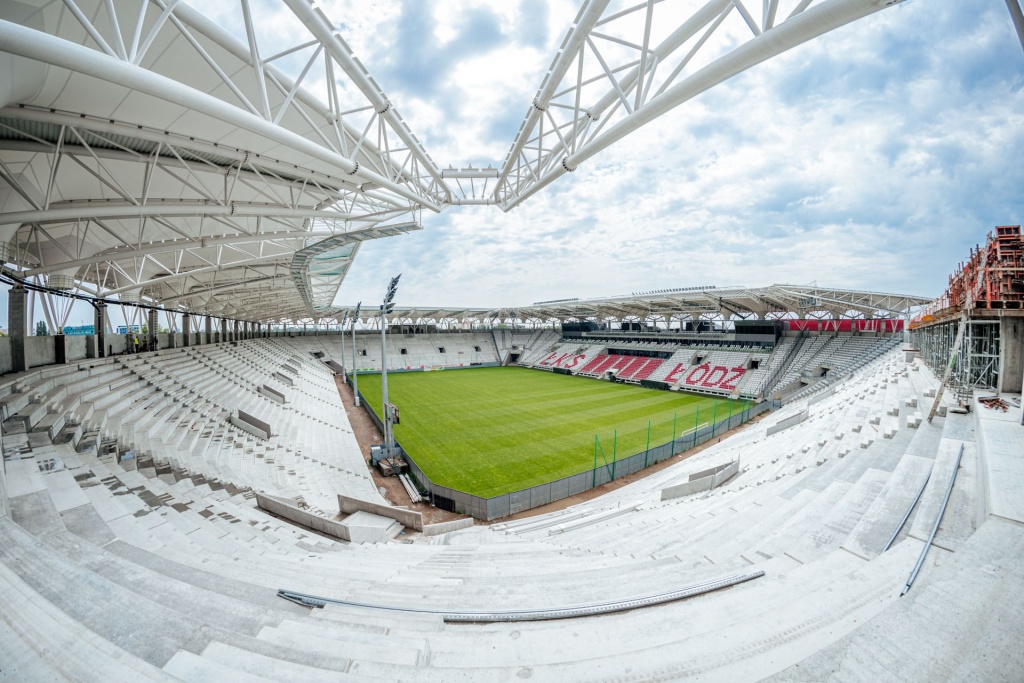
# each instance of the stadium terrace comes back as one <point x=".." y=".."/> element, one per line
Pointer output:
<point x="224" y="475"/>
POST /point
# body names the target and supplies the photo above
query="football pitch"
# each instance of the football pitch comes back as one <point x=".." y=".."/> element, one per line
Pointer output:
<point x="489" y="431"/>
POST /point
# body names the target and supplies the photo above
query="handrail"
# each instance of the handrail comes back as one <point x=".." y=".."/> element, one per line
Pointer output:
<point x="909" y="510"/>
<point x="785" y="363"/>
<point x="935" y="527"/>
<point x="497" y="616"/>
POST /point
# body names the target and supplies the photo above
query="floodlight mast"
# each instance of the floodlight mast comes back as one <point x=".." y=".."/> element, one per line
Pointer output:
<point x="355" y="374"/>
<point x="386" y="307"/>
<point x="341" y="328"/>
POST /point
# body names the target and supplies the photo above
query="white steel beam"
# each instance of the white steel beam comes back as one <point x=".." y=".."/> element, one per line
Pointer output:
<point x="585" y="22"/>
<point x="179" y="245"/>
<point x="242" y="263"/>
<point x="1017" y="15"/>
<point x="797" y="29"/>
<point x="31" y="44"/>
<point x="317" y="24"/>
<point x="94" y="211"/>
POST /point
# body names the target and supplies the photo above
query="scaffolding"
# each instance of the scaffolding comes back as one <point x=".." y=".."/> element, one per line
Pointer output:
<point x="992" y="279"/>
<point x="977" y="363"/>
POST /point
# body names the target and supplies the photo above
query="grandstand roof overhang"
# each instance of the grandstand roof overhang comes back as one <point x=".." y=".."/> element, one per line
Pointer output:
<point x="150" y="154"/>
<point x="749" y="303"/>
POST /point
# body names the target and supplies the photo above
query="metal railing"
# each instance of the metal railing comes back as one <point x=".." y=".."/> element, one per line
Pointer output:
<point x="494" y="507"/>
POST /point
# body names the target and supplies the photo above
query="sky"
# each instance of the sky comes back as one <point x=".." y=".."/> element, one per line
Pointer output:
<point x="871" y="158"/>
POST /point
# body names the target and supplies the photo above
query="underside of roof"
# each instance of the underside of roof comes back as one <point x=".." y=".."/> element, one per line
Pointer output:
<point x="669" y="306"/>
<point x="148" y="153"/>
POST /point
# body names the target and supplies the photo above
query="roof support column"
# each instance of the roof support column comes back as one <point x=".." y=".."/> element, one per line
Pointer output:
<point x="18" y="328"/>
<point x="186" y="330"/>
<point x="209" y="331"/>
<point x="153" y="327"/>
<point x="100" y="329"/>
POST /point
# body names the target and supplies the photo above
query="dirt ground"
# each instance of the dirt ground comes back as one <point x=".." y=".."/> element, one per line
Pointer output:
<point x="367" y="434"/>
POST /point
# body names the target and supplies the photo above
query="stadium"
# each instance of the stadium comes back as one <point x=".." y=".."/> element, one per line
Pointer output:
<point x="234" y="469"/>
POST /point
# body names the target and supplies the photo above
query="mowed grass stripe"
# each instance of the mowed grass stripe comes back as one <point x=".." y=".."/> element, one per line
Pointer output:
<point x="489" y="431"/>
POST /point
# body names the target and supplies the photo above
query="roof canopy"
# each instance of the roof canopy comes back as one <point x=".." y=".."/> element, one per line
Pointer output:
<point x="146" y="153"/>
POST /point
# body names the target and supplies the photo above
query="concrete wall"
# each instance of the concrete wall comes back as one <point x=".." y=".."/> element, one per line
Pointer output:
<point x="77" y="347"/>
<point x="5" y="506"/>
<point x="282" y="507"/>
<point x="711" y="479"/>
<point x="821" y="396"/>
<point x="787" y="423"/>
<point x="6" y="363"/>
<point x="116" y="344"/>
<point x="251" y="424"/>
<point x="41" y="351"/>
<point x="407" y="518"/>
<point x="445" y="527"/>
<point x="1011" y="354"/>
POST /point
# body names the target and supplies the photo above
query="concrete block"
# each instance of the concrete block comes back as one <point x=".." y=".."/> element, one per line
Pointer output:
<point x="910" y="403"/>
<point x="877" y="419"/>
<point x="364" y="527"/>
<point x="856" y="428"/>
<point x="51" y="424"/>
<point x="890" y="432"/>
<point x="894" y="412"/>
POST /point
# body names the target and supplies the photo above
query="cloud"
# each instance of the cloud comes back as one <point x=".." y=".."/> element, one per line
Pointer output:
<point x="871" y="158"/>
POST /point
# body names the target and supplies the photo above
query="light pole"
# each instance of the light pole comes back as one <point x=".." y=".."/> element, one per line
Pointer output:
<point x="386" y="307"/>
<point x="341" y="329"/>
<point x="355" y="374"/>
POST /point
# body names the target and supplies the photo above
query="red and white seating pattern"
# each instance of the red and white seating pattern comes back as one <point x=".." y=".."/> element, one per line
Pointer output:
<point x="570" y="356"/>
<point x="717" y="372"/>
<point x="632" y="368"/>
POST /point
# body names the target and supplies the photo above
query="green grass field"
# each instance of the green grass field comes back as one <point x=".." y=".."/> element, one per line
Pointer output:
<point x="489" y="431"/>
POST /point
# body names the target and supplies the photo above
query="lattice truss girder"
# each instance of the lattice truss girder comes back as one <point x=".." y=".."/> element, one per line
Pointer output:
<point x="293" y="80"/>
<point x="103" y="160"/>
<point x="623" y="64"/>
<point x="157" y="152"/>
<point x="775" y="301"/>
<point x="179" y="225"/>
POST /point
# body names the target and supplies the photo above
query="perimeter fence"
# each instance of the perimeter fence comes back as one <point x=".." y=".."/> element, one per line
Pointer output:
<point x="607" y="467"/>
